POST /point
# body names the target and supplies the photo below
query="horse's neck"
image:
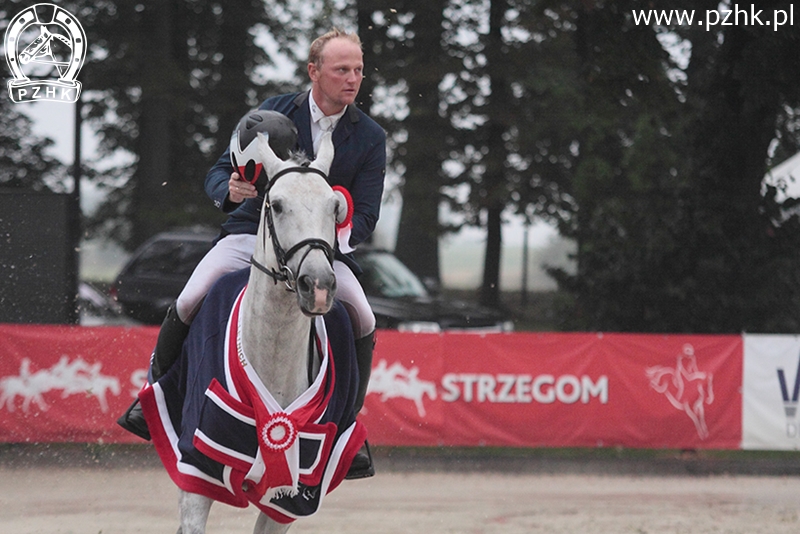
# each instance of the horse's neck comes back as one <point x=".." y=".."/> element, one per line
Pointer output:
<point x="275" y="338"/>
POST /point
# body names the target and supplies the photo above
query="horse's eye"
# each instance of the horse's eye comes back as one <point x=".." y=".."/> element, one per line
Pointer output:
<point x="277" y="207"/>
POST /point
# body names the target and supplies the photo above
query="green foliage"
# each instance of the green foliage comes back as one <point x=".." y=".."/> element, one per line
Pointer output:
<point x="559" y="110"/>
<point x="673" y="232"/>
<point x="651" y="162"/>
<point x="423" y="129"/>
<point x="24" y="161"/>
<point x="166" y="83"/>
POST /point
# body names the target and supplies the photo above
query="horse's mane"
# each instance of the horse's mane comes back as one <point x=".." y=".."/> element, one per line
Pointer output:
<point x="299" y="157"/>
<point x="296" y="157"/>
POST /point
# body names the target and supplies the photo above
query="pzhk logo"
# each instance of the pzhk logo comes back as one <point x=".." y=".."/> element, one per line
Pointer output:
<point x="43" y="42"/>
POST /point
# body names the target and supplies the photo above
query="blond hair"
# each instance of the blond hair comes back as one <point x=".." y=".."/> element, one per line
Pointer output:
<point x="315" y="52"/>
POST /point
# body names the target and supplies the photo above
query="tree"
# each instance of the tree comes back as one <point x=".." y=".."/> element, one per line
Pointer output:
<point x="456" y="131"/>
<point x="742" y="86"/>
<point x="423" y="149"/>
<point x="24" y="162"/>
<point x="168" y="81"/>
<point x="513" y="149"/>
<point x="497" y="84"/>
<point x="165" y="82"/>
<point x="674" y="233"/>
<point x="492" y="190"/>
<point x="625" y="182"/>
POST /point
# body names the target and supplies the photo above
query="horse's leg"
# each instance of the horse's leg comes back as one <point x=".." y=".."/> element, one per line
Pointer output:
<point x="265" y="525"/>
<point x="700" y="413"/>
<point x="194" y="513"/>
<point x="696" y="418"/>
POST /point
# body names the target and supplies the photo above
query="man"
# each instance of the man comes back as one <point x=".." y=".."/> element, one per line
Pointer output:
<point x="335" y="68"/>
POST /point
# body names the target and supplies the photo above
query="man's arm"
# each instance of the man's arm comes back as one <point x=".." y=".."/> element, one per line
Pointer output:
<point x="367" y="190"/>
<point x="216" y="184"/>
<point x="225" y="187"/>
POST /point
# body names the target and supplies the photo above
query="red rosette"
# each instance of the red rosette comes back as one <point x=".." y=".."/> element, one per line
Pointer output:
<point x="349" y="217"/>
<point x="279" y="433"/>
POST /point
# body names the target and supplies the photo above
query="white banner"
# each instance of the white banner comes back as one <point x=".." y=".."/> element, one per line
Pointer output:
<point x="770" y="418"/>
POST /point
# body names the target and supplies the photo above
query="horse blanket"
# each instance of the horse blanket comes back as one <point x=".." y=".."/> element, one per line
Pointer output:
<point x="220" y="433"/>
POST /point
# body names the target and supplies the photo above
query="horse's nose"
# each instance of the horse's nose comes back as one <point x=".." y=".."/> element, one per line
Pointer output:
<point x="305" y="284"/>
<point x="318" y="294"/>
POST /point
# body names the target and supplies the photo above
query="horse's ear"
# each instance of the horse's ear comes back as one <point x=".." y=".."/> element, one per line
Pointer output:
<point x="324" y="154"/>
<point x="268" y="158"/>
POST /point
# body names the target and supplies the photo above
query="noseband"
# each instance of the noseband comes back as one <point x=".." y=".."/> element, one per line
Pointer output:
<point x="285" y="274"/>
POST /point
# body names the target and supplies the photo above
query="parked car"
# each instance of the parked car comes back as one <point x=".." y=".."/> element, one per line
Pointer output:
<point x="401" y="301"/>
<point x="155" y="274"/>
<point x="97" y="308"/>
<point x="158" y="270"/>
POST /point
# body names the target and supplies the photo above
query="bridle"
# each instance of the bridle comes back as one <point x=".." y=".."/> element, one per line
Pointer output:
<point x="285" y="274"/>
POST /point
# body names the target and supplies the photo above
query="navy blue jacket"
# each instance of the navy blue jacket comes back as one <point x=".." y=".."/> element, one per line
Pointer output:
<point x="359" y="165"/>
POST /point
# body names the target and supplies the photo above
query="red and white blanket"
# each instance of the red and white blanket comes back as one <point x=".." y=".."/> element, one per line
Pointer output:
<point x="220" y="433"/>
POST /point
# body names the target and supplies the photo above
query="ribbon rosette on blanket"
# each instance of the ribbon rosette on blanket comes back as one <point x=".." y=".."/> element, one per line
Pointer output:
<point x="279" y="433"/>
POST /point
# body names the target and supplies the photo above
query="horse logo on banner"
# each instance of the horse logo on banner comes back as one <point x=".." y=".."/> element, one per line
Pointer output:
<point x="686" y="387"/>
<point x="72" y="377"/>
<point x="39" y="48"/>
<point x="397" y="381"/>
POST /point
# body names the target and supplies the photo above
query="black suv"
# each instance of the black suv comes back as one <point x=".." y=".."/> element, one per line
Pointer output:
<point x="158" y="270"/>
<point x="401" y="301"/>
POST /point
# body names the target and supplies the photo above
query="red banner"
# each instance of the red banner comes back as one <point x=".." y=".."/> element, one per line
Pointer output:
<point x="525" y="389"/>
<point x="70" y="383"/>
<point x="556" y="390"/>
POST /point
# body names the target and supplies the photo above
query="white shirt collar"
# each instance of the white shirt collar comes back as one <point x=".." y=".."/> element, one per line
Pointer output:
<point x="317" y="114"/>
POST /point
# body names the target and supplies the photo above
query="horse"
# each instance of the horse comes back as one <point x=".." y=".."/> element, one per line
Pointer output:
<point x="276" y="342"/>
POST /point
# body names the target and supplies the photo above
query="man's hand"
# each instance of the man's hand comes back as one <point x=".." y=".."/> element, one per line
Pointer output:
<point x="240" y="190"/>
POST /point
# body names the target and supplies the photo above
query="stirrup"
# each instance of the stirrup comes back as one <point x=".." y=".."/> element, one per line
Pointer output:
<point x="362" y="466"/>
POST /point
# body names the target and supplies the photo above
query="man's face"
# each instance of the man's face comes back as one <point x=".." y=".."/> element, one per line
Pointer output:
<point x="336" y="82"/>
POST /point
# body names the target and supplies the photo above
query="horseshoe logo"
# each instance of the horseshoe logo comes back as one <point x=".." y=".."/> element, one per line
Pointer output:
<point x="24" y="53"/>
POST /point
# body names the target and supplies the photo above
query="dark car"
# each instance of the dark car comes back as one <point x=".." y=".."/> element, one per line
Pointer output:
<point x="96" y="308"/>
<point x="401" y="301"/>
<point x="157" y="271"/>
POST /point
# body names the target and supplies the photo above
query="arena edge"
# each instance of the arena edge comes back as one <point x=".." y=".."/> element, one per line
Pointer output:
<point x="512" y="388"/>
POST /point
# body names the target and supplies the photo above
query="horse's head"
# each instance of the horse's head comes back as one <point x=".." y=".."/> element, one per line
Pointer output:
<point x="297" y="231"/>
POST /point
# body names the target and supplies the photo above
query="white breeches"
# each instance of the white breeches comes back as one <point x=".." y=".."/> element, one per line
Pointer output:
<point x="351" y="294"/>
<point x="233" y="252"/>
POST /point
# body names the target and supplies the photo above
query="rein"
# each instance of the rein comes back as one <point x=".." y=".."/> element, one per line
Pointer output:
<point x="284" y="273"/>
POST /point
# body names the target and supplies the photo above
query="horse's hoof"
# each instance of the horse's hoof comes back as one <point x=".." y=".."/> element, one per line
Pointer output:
<point x="362" y="466"/>
<point x="133" y="421"/>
